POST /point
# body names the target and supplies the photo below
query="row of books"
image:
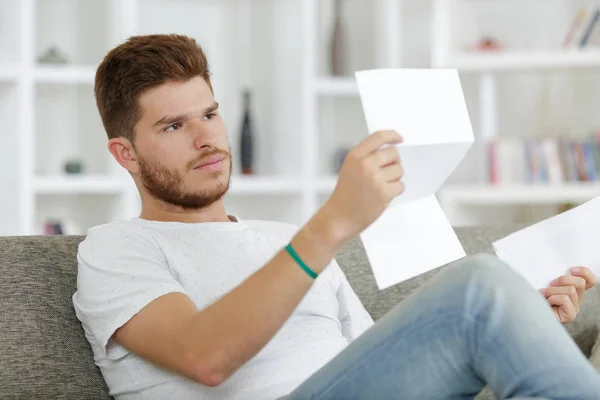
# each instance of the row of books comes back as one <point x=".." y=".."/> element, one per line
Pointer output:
<point x="547" y="160"/>
<point x="584" y="29"/>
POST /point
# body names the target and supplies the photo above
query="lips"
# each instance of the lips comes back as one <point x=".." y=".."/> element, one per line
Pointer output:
<point x="210" y="161"/>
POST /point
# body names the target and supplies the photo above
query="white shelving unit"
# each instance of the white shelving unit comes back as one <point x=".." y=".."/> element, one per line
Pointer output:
<point x="53" y="105"/>
<point x="33" y="185"/>
<point x="321" y="91"/>
<point x="337" y="86"/>
<point x="577" y="192"/>
<point x="266" y="185"/>
<point x="278" y="49"/>
<point x="65" y="74"/>
<point x="86" y="184"/>
<point x="511" y="61"/>
<point x="487" y="66"/>
<point x="325" y="185"/>
<point x="9" y="73"/>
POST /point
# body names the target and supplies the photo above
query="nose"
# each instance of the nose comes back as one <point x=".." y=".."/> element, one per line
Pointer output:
<point x="203" y="137"/>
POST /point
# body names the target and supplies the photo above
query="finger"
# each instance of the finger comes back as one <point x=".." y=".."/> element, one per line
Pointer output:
<point x="375" y="141"/>
<point x="395" y="189"/>
<point x="566" y="291"/>
<point x="392" y="173"/>
<point x="575" y="281"/>
<point x="385" y="157"/>
<point x="590" y="278"/>
<point x="564" y="308"/>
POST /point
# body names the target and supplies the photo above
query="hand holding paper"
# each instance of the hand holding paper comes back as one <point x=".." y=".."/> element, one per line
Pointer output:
<point x="547" y="250"/>
<point x="565" y="294"/>
<point x="369" y="180"/>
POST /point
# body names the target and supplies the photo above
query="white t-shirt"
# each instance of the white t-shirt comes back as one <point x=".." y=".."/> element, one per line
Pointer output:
<point x="125" y="265"/>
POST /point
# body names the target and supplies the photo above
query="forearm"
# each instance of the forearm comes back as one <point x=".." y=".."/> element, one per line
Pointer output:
<point x="234" y="329"/>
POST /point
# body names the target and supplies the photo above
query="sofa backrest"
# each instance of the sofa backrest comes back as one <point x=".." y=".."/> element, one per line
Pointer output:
<point x="43" y="351"/>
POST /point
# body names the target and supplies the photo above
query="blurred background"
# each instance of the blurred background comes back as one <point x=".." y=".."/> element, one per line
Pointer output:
<point x="283" y="75"/>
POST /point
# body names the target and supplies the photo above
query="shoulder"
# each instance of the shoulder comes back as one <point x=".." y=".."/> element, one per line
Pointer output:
<point x="116" y="237"/>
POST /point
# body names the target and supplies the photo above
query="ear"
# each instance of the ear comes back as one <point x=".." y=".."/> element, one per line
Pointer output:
<point x="122" y="150"/>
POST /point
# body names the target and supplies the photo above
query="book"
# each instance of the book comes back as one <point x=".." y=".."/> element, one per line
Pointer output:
<point x="553" y="165"/>
<point x="493" y="162"/>
<point x="589" y="161"/>
<point x="545" y="160"/>
<point x="579" y="161"/>
<point x="575" y="27"/>
<point x="589" y="29"/>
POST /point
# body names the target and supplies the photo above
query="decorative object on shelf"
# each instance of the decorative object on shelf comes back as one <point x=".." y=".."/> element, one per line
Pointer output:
<point x="340" y="155"/>
<point x="53" y="55"/>
<point x="488" y="43"/>
<point x="337" y="44"/>
<point x="247" y="138"/>
<point x="62" y="226"/>
<point x="53" y="227"/>
<point x="74" y="167"/>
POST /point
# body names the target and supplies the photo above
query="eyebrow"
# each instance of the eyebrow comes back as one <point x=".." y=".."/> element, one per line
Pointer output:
<point x="167" y="119"/>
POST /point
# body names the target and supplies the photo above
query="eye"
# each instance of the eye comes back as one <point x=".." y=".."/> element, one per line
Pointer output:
<point x="173" y="127"/>
<point x="210" y="115"/>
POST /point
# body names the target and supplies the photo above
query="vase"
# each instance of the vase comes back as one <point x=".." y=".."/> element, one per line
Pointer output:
<point x="337" y="50"/>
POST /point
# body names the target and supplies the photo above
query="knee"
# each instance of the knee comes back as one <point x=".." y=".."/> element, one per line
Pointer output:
<point x="486" y="282"/>
<point x="486" y="269"/>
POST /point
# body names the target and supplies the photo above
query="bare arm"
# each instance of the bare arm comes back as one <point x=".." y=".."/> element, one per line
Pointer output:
<point x="210" y="345"/>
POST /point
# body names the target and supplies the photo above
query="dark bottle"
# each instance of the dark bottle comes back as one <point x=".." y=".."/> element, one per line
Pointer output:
<point x="247" y="145"/>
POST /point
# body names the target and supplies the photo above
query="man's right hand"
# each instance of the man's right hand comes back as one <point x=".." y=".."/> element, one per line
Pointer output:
<point x="370" y="178"/>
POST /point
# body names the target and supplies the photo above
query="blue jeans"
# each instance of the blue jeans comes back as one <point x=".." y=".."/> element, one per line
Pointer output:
<point x="476" y="323"/>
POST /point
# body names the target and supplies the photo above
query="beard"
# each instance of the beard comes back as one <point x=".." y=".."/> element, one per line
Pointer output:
<point x="168" y="186"/>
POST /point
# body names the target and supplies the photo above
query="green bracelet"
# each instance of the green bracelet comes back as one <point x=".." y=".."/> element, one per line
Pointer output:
<point x="299" y="261"/>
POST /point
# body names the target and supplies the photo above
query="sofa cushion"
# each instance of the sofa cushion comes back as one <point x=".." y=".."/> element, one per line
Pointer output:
<point x="595" y="357"/>
<point x="43" y="352"/>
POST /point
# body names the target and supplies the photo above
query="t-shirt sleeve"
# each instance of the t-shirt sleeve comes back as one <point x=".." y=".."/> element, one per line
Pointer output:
<point x="352" y="314"/>
<point x="119" y="273"/>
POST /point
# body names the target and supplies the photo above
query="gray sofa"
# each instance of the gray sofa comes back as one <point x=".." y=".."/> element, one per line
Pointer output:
<point x="44" y="354"/>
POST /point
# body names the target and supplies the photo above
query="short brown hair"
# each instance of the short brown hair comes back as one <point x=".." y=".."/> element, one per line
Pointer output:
<point x="139" y="64"/>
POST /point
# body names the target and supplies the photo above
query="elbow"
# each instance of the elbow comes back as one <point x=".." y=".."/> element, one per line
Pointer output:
<point x="209" y="372"/>
<point x="210" y="378"/>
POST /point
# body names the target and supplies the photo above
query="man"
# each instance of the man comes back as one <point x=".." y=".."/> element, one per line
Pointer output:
<point x="187" y="302"/>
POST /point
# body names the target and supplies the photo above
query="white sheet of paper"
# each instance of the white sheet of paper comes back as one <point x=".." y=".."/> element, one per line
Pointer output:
<point x="428" y="109"/>
<point x="408" y="240"/>
<point x="546" y="250"/>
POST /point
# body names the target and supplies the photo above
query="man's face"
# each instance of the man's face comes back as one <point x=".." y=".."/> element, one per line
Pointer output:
<point x="181" y="145"/>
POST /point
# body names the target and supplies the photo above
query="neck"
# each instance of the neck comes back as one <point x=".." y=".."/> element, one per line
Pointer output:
<point x="155" y="210"/>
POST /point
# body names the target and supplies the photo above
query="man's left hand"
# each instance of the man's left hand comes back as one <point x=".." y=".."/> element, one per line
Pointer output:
<point x="565" y="294"/>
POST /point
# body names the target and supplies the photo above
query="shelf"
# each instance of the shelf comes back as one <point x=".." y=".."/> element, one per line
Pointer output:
<point x="337" y="86"/>
<point x="520" y="194"/>
<point x="99" y="184"/>
<point x="80" y="184"/>
<point x="241" y="185"/>
<point x="524" y="61"/>
<point x="326" y="184"/>
<point x="8" y="73"/>
<point x="65" y="74"/>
